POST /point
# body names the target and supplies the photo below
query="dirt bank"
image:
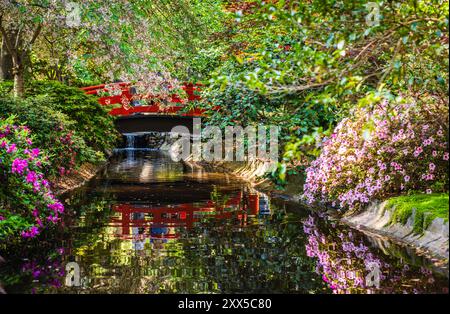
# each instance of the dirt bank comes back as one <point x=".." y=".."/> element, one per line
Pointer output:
<point x="252" y="173"/>
<point x="76" y="179"/>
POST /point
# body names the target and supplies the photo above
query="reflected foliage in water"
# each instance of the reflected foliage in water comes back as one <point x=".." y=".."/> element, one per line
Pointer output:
<point x="348" y="264"/>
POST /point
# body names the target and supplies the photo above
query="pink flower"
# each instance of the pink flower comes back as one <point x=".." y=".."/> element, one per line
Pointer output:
<point x="31" y="177"/>
<point x="52" y="218"/>
<point x="429" y="191"/>
<point x="36" y="186"/>
<point x="432" y="166"/>
<point x="45" y="183"/>
<point x="428" y="141"/>
<point x="407" y="178"/>
<point x="35" y="152"/>
<point x="12" y="148"/>
<point x="19" y="165"/>
<point x="445" y="156"/>
<point x="31" y="233"/>
<point x="418" y="151"/>
<point x="56" y="207"/>
<point x="39" y="222"/>
<point x="35" y="212"/>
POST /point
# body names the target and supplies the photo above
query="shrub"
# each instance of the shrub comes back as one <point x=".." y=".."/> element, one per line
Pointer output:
<point x="6" y="87"/>
<point x="53" y="133"/>
<point x="387" y="150"/>
<point x="90" y="119"/>
<point x="244" y="107"/>
<point x="27" y="205"/>
<point x="93" y="123"/>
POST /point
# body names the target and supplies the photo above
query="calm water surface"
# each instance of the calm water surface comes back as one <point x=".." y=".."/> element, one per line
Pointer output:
<point x="147" y="224"/>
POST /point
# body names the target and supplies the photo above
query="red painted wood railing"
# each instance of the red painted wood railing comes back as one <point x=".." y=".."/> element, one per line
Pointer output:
<point x="153" y="106"/>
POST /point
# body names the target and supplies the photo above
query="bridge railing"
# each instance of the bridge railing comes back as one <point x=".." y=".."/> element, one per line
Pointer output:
<point x="130" y="103"/>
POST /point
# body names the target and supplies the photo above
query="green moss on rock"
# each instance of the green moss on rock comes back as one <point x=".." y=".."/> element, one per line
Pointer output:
<point x="425" y="207"/>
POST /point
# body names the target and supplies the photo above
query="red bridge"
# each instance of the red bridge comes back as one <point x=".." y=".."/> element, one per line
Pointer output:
<point x="140" y="113"/>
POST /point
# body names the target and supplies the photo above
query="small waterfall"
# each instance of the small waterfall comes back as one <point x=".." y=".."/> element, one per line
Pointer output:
<point x="129" y="145"/>
<point x="130" y="141"/>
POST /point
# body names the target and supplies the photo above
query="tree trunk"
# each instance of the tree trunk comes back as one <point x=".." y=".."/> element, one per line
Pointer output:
<point x="6" y="63"/>
<point x="19" y="80"/>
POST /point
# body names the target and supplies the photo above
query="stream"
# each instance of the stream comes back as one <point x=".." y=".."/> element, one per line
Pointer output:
<point x="147" y="224"/>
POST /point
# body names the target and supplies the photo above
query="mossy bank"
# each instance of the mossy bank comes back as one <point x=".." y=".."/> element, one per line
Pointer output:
<point x="417" y="220"/>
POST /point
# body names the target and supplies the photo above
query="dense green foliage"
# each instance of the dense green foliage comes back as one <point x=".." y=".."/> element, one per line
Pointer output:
<point x="305" y="66"/>
<point x="69" y="125"/>
<point x="92" y="122"/>
<point x="248" y="107"/>
<point x="324" y="57"/>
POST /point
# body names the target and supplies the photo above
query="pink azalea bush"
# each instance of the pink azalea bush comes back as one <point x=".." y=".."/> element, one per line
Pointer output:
<point x="382" y="151"/>
<point x="27" y="204"/>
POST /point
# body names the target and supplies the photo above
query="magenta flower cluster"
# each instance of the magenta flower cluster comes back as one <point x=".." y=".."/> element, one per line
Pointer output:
<point x="21" y="165"/>
<point x="380" y="152"/>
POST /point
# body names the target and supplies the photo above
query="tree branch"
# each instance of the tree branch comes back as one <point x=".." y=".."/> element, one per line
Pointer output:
<point x="36" y="33"/>
<point x="296" y="89"/>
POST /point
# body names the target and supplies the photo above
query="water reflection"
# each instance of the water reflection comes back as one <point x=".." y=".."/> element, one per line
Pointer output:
<point x="348" y="265"/>
<point x="162" y="222"/>
<point x="156" y="226"/>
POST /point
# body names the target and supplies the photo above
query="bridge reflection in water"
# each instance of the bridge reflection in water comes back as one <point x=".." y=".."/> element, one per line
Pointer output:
<point x="159" y="224"/>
